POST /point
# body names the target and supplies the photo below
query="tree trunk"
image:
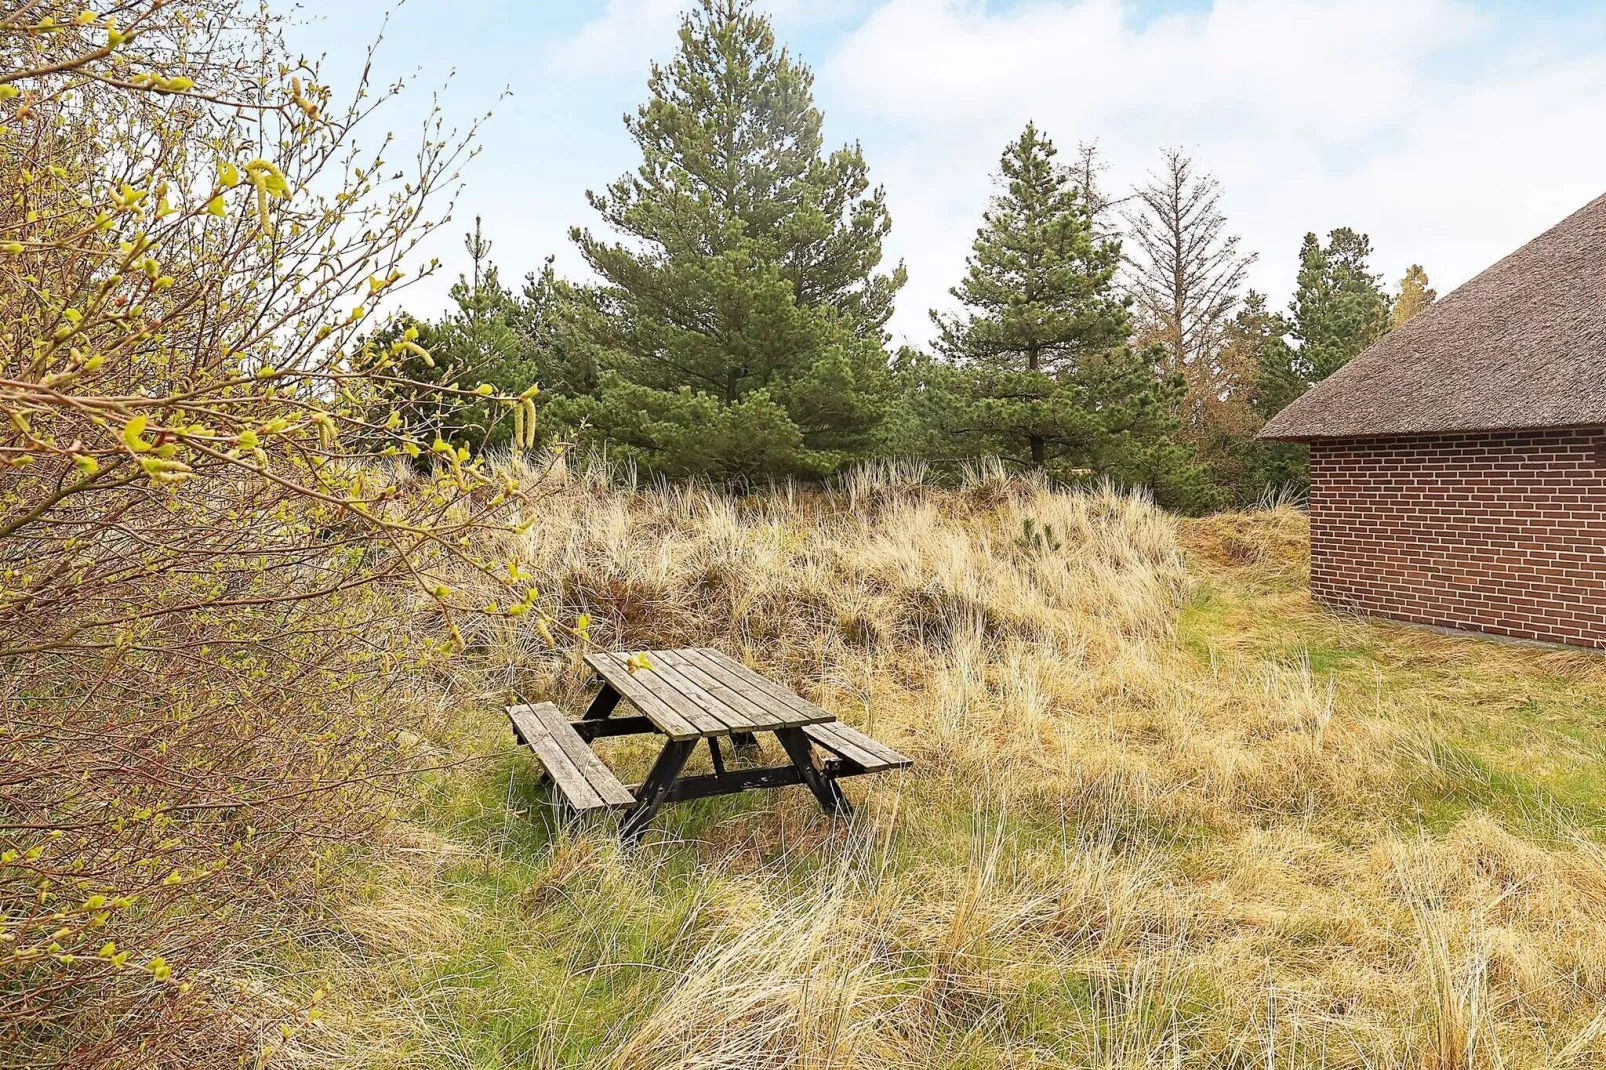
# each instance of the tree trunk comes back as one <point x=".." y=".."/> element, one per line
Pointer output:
<point x="1039" y="444"/>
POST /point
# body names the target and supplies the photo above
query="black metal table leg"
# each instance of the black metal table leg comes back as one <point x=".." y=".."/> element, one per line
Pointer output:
<point x="825" y="788"/>
<point x="655" y="789"/>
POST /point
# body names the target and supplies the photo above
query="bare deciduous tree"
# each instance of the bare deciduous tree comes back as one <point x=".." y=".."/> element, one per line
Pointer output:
<point x="1087" y="175"/>
<point x="1186" y="274"/>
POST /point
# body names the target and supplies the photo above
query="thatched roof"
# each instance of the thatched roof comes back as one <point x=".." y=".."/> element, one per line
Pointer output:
<point x="1521" y="346"/>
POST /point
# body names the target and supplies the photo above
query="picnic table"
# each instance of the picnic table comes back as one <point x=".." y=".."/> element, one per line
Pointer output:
<point x="688" y="697"/>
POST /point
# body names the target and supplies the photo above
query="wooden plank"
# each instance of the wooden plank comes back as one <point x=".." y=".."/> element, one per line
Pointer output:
<point x="780" y="700"/>
<point x="675" y="672"/>
<point x="826" y="736"/>
<point x="714" y="675"/>
<point x="671" y="723"/>
<point x="754" y="699"/>
<point x="664" y="682"/>
<point x="697" y="705"/>
<point x="889" y="755"/>
<point x="837" y="731"/>
<point x="764" y="694"/>
<point x="608" y="787"/>
<point x="647" y="693"/>
<point x="562" y="769"/>
<point x="850" y="743"/>
<point x="754" y="715"/>
<point x="716" y="666"/>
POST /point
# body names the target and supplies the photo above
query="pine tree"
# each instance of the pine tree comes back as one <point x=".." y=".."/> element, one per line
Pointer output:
<point x="1339" y="306"/>
<point x="1039" y="369"/>
<point x="1258" y="339"/>
<point x="1415" y="295"/>
<point x="740" y="331"/>
<point x="491" y="335"/>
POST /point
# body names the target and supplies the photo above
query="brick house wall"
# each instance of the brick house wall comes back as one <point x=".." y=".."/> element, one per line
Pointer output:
<point x="1500" y="532"/>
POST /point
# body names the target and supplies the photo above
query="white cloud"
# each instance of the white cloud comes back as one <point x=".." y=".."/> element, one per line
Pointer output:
<point x="621" y="40"/>
<point x="1449" y="134"/>
<point x="627" y="34"/>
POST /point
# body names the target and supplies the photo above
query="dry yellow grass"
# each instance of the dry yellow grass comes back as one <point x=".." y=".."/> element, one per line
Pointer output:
<point x="1165" y="813"/>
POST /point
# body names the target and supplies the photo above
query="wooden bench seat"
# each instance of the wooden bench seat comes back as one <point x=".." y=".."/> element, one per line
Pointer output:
<point x="846" y="742"/>
<point x="586" y="784"/>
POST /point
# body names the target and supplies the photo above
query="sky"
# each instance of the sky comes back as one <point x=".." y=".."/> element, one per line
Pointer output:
<point x="1450" y="131"/>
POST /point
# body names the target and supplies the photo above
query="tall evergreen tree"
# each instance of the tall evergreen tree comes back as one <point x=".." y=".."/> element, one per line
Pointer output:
<point x="739" y="332"/>
<point x="1339" y="306"/>
<point x="1257" y="341"/>
<point x="1258" y="338"/>
<point x="1040" y="370"/>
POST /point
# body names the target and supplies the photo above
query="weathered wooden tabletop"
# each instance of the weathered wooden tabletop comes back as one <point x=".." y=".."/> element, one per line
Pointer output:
<point x="697" y="693"/>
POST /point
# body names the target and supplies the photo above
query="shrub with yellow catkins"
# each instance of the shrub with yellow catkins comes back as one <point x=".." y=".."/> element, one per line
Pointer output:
<point x="210" y="579"/>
